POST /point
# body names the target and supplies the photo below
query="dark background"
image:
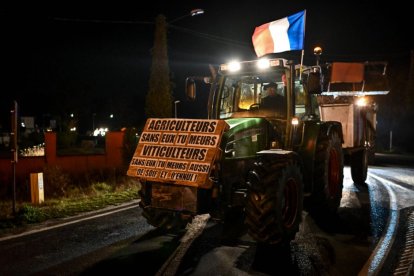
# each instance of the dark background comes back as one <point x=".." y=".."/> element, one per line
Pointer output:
<point x="96" y="59"/>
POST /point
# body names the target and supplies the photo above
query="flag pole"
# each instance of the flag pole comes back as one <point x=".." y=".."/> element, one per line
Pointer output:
<point x="301" y="65"/>
<point x="303" y="50"/>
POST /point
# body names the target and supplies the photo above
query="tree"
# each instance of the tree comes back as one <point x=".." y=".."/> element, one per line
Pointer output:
<point x="159" y="97"/>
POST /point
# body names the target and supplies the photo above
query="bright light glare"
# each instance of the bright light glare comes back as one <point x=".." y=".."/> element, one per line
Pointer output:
<point x="263" y="63"/>
<point x="73" y="129"/>
<point x="196" y="12"/>
<point x="295" y="121"/>
<point x="362" y="101"/>
<point x="100" y="131"/>
<point x="234" y="66"/>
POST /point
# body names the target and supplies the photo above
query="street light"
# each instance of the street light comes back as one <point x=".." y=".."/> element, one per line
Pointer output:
<point x="93" y="122"/>
<point x="160" y="47"/>
<point x="175" y="108"/>
<point x="192" y="13"/>
<point x="196" y="12"/>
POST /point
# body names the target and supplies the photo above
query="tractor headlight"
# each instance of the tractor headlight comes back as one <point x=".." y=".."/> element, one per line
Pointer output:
<point x="234" y="66"/>
<point x="263" y="63"/>
<point x="295" y="121"/>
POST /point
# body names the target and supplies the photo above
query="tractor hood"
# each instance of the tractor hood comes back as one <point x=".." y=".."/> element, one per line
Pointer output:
<point x="245" y="137"/>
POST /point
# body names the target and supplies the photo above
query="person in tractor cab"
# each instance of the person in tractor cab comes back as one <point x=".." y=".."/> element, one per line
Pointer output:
<point x="272" y="99"/>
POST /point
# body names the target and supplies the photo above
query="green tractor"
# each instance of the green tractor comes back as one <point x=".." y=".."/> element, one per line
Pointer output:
<point x="265" y="161"/>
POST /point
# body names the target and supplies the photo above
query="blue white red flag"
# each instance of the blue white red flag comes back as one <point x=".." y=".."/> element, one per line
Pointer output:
<point x="285" y="34"/>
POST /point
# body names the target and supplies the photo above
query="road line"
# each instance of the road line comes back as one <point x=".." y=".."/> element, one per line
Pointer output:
<point x="381" y="251"/>
<point x="193" y="231"/>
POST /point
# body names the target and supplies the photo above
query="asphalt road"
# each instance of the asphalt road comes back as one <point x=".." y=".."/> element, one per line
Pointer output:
<point x="68" y="246"/>
<point x="122" y="242"/>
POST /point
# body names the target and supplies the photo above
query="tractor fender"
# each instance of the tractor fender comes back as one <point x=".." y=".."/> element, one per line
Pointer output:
<point x="332" y="126"/>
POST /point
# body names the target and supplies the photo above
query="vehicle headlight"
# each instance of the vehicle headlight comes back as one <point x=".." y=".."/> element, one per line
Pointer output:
<point x="361" y="101"/>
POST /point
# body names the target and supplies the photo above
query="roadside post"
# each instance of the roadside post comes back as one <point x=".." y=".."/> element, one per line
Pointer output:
<point x="37" y="188"/>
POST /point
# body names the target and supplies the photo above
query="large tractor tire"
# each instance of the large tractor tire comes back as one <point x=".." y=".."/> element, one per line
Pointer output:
<point x="359" y="167"/>
<point x="328" y="177"/>
<point x="164" y="220"/>
<point x="274" y="202"/>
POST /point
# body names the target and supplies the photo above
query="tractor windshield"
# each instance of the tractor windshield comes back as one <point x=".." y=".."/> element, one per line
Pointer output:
<point x="253" y="96"/>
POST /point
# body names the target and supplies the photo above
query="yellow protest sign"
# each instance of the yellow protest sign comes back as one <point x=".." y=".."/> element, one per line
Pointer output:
<point x="178" y="151"/>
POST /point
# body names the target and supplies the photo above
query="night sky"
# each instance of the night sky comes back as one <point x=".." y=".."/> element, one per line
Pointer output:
<point x="97" y="59"/>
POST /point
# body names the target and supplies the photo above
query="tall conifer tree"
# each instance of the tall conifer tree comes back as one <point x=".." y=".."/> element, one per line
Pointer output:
<point x="159" y="97"/>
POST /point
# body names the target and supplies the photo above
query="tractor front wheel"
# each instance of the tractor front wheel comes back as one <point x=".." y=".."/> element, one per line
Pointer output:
<point x="164" y="220"/>
<point x="274" y="203"/>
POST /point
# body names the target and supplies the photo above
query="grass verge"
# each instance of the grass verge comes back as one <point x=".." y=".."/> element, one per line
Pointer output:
<point x="99" y="196"/>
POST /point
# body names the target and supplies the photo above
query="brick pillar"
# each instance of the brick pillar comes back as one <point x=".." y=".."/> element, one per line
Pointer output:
<point x="113" y="148"/>
<point x="50" y="147"/>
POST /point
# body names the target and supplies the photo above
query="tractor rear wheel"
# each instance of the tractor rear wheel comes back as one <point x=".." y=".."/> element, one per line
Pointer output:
<point x="274" y="202"/>
<point x="328" y="176"/>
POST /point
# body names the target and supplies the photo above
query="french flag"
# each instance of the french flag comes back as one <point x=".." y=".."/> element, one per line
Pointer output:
<point x="286" y="34"/>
